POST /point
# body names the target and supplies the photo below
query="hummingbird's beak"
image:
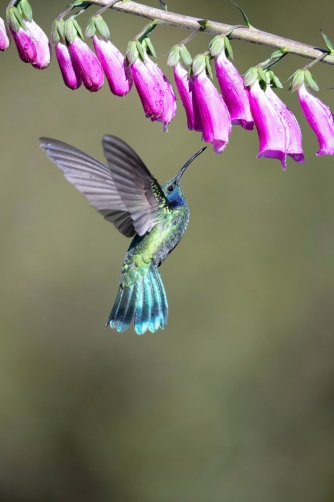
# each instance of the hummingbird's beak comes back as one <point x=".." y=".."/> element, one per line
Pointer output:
<point x="179" y="174"/>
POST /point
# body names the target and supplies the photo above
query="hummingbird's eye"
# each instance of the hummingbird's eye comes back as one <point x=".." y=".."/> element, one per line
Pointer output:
<point x="170" y="188"/>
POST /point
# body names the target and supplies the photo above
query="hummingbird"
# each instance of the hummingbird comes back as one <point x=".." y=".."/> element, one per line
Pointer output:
<point x="156" y="216"/>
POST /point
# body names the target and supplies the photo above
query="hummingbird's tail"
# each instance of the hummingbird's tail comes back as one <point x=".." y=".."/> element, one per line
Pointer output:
<point x="144" y="302"/>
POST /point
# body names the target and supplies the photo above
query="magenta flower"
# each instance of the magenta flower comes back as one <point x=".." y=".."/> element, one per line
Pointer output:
<point x="4" y="36"/>
<point x="70" y="77"/>
<point x="22" y="37"/>
<point x="231" y="83"/>
<point x="214" y="114"/>
<point x="320" y="119"/>
<point x="154" y="89"/>
<point x="180" y="58"/>
<point x="234" y="94"/>
<point x="291" y="127"/>
<point x="85" y="63"/>
<point x="42" y="45"/>
<point x="32" y="44"/>
<point x="114" y="66"/>
<point x="269" y="125"/>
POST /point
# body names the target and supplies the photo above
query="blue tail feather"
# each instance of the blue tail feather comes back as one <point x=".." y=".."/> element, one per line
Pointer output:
<point x="144" y="302"/>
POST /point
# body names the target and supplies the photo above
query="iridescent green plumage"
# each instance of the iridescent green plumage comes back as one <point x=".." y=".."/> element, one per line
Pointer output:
<point x="157" y="216"/>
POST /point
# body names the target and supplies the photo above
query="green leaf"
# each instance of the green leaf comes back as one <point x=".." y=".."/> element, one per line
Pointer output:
<point x="102" y="27"/>
<point x="174" y="56"/>
<point x="228" y="48"/>
<point x="244" y="16"/>
<point x="91" y="28"/>
<point x="250" y="77"/>
<point x="150" y="47"/>
<point x="185" y="55"/>
<point x="328" y="43"/>
<point x="310" y="80"/>
<point x="217" y="45"/>
<point x="26" y="9"/>
<point x="199" y="64"/>
<point x="208" y="67"/>
<point x="70" y="31"/>
<point x="140" y="49"/>
<point x="132" y="52"/>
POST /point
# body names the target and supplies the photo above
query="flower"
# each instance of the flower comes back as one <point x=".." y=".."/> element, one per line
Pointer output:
<point x="154" y="89"/>
<point x="114" y="66"/>
<point x="215" y="117"/>
<point x="71" y="78"/>
<point x="320" y="119"/>
<point x="180" y="58"/>
<point x="22" y="37"/>
<point x="292" y="129"/>
<point x="112" y="60"/>
<point x="4" y="36"/>
<point x="42" y="45"/>
<point x="231" y="84"/>
<point x="85" y="63"/>
<point x="32" y="44"/>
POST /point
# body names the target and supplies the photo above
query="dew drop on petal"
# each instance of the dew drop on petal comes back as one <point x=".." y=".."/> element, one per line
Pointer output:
<point x="280" y="130"/>
<point x="26" y="46"/>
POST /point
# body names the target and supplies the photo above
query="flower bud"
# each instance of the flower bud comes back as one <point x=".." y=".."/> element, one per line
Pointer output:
<point x="4" y="36"/>
<point x="215" y="117"/>
<point x="70" y="77"/>
<point x="184" y="86"/>
<point x="319" y="118"/>
<point x="42" y="45"/>
<point x="114" y="66"/>
<point x="22" y="37"/>
<point x="85" y="62"/>
<point x="233" y="92"/>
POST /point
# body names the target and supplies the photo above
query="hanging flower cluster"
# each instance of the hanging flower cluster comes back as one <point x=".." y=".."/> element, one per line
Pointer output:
<point x="241" y="101"/>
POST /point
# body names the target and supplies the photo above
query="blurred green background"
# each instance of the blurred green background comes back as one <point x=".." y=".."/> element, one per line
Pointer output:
<point x="233" y="401"/>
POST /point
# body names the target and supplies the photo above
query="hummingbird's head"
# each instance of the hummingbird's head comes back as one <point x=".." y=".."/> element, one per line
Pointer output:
<point x="172" y="188"/>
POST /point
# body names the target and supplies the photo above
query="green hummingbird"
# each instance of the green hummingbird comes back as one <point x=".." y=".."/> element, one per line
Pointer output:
<point x="156" y="216"/>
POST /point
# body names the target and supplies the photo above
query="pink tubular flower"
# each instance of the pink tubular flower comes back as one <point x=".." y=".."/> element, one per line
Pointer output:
<point x="42" y="45"/>
<point x="25" y="45"/>
<point x="234" y="94"/>
<point x="114" y="66"/>
<point x="320" y="119"/>
<point x="154" y="89"/>
<point x="184" y="86"/>
<point x="4" y="36"/>
<point x="214" y="114"/>
<point x="269" y="125"/>
<point x="291" y="126"/>
<point x="86" y="65"/>
<point x="71" y="78"/>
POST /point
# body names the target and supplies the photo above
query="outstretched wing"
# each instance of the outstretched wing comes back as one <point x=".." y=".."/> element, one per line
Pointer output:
<point x="96" y="182"/>
<point x="141" y="193"/>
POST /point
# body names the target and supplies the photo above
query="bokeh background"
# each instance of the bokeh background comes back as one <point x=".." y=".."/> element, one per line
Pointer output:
<point x="233" y="401"/>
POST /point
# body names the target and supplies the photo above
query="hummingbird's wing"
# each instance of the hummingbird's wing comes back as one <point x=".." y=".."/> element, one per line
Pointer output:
<point x="96" y="182"/>
<point x="141" y="193"/>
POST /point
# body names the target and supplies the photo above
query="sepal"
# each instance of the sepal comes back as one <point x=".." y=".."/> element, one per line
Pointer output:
<point x="208" y="66"/>
<point x="297" y="80"/>
<point x="199" y="64"/>
<point x="91" y="28"/>
<point x="132" y="53"/>
<point x="273" y="80"/>
<point x="250" y="77"/>
<point x="58" y="31"/>
<point x="217" y="45"/>
<point x="310" y="81"/>
<point x="185" y="55"/>
<point x="102" y="27"/>
<point x="174" y="55"/>
<point x="25" y="10"/>
<point x="149" y="46"/>
<point x="72" y="30"/>
<point x="15" y="20"/>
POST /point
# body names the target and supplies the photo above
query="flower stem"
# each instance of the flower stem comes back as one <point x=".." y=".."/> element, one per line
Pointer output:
<point x="108" y="6"/>
<point x="193" y="35"/>
<point x="214" y="28"/>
